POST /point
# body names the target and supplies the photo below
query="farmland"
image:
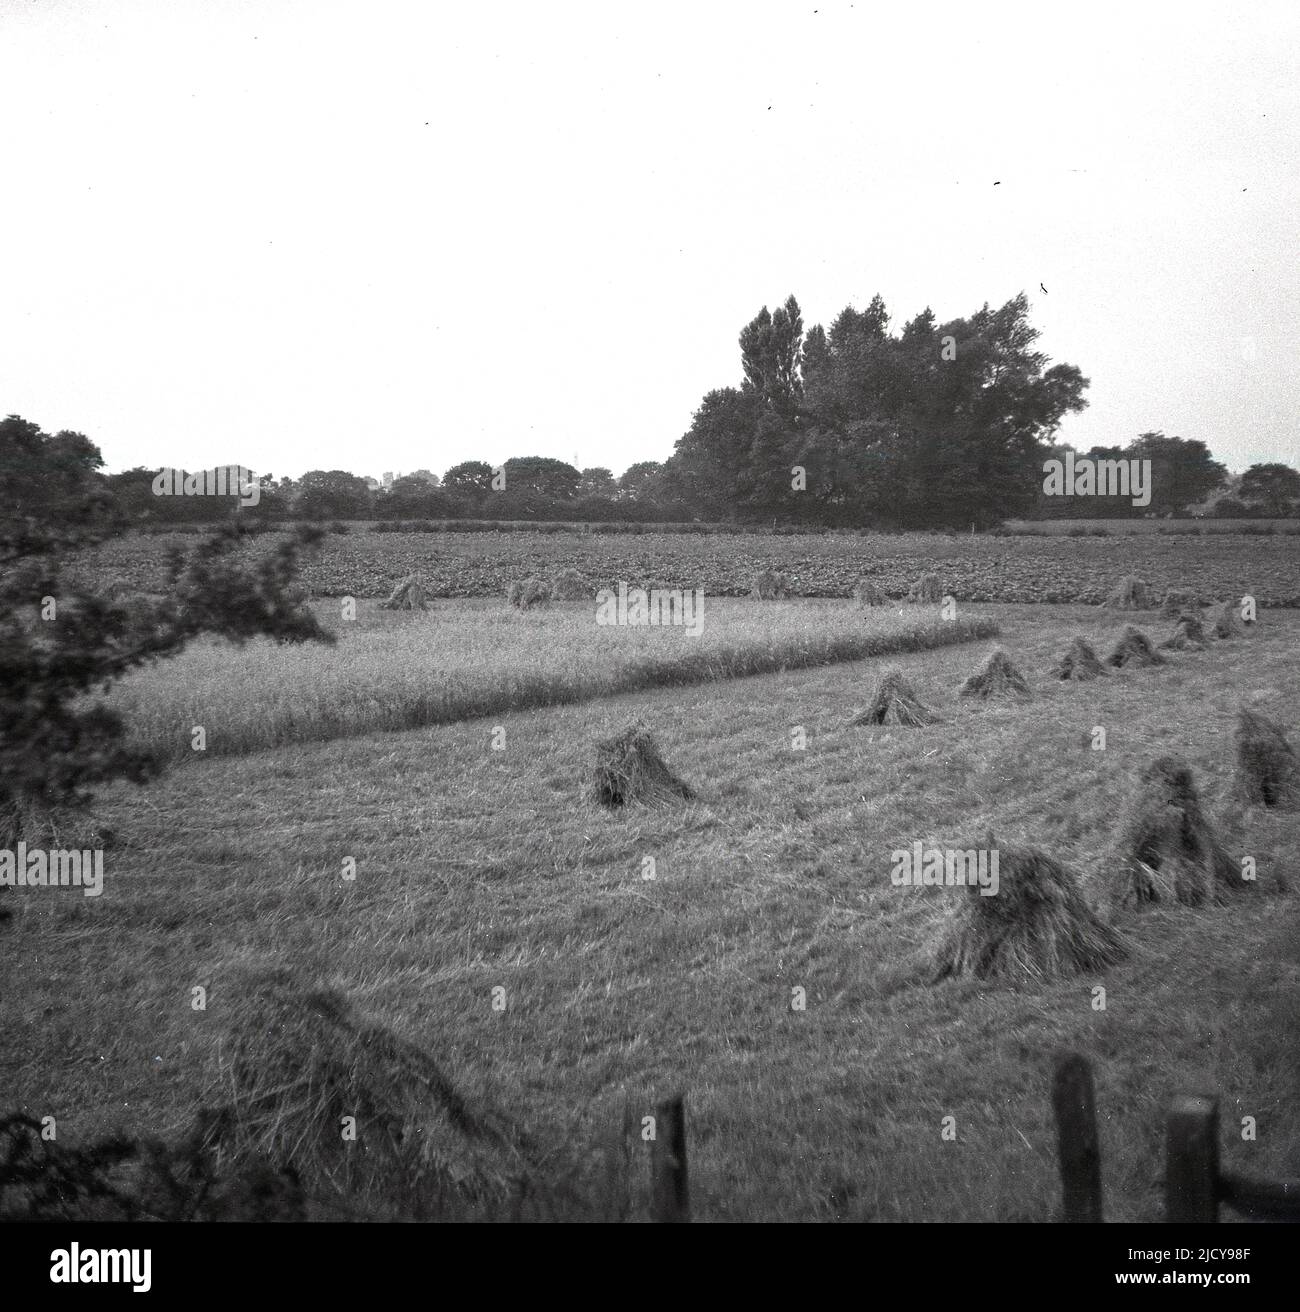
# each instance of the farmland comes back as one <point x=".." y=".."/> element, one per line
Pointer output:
<point x="972" y="568"/>
<point x="482" y="869"/>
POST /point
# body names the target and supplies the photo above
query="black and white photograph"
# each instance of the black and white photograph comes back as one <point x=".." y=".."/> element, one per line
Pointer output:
<point x="622" y="615"/>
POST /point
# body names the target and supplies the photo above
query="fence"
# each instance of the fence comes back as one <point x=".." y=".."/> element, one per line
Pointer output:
<point x="1195" y="1185"/>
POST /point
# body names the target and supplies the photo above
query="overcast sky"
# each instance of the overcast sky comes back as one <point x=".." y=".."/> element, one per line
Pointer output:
<point x="383" y="236"/>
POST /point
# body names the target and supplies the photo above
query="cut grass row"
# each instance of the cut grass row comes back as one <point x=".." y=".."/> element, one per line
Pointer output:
<point x="459" y="661"/>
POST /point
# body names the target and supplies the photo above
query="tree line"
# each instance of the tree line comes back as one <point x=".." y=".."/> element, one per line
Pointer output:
<point x="936" y="425"/>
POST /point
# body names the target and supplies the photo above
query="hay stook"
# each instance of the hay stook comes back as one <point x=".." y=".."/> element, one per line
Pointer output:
<point x="1268" y="772"/>
<point x="407" y="595"/>
<point x="997" y="677"/>
<point x="1133" y="648"/>
<point x="1166" y="849"/>
<point x="1080" y="663"/>
<point x="1130" y="593"/>
<point x="895" y="702"/>
<point x="629" y="768"/>
<point x="1037" y="926"/>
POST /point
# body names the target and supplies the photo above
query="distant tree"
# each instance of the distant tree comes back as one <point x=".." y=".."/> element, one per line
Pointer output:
<point x="770" y="351"/>
<point x="425" y="476"/>
<point x="1231" y="508"/>
<point x="332" y="494"/>
<point x="597" y="482"/>
<point x="51" y="478"/>
<point x="1182" y="471"/>
<point x="471" y="476"/>
<point x="638" y="477"/>
<point x="1274" y="488"/>
<point x="544" y="475"/>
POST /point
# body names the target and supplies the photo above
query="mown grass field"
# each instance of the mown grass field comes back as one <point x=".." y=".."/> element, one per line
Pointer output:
<point x="972" y="568"/>
<point x="479" y="868"/>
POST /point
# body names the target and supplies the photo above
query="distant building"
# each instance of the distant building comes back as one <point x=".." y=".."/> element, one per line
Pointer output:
<point x="372" y="483"/>
<point x="388" y="482"/>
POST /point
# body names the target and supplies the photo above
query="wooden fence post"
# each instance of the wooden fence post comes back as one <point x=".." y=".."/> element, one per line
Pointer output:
<point x="1078" y="1147"/>
<point x="1192" y="1160"/>
<point x="672" y="1201"/>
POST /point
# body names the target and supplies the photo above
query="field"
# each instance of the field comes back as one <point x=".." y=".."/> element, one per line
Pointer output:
<point x="972" y="568"/>
<point x="404" y="670"/>
<point x="482" y="868"/>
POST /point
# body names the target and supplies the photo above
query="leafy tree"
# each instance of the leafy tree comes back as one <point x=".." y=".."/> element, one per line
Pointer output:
<point x="770" y="351"/>
<point x="1182" y="471"/>
<point x="544" y="475"/>
<point x="332" y="494"/>
<point x="597" y="482"/>
<point x="638" y="478"/>
<point x="61" y="645"/>
<point x="49" y="478"/>
<point x="1274" y="488"/>
<point x="472" y="476"/>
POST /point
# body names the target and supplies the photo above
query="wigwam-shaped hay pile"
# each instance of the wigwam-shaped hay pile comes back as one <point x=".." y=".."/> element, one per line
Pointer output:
<point x="1166" y="849"/>
<point x="1133" y="648"/>
<point x="997" y="677"/>
<point x="1080" y="663"/>
<point x="1268" y="772"/>
<point x="629" y="768"/>
<point x="529" y="593"/>
<point x="866" y="593"/>
<point x="894" y="702"/>
<point x="1187" y="635"/>
<point x="407" y="595"/>
<point x="1224" y="622"/>
<point x="927" y="589"/>
<point x="296" y="1058"/>
<point x="770" y="586"/>
<point x="570" y="585"/>
<point x="1037" y="926"/>
<point x="1180" y="601"/>
<point x="1130" y="593"/>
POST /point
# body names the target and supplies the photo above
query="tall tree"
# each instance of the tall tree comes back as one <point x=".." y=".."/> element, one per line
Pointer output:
<point x="1182" y="471"/>
<point x="1273" y="487"/>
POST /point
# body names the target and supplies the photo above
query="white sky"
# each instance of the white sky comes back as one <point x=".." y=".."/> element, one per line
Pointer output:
<point x="380" y="236"/>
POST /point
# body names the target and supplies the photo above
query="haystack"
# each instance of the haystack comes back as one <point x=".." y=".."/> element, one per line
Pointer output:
<point x="926" y="589"/>
<point x="894" y="702"/>
<point x="531" y="592"/>
<point x="1130" y="593"/>
<point x="1080" y="663"/>
<point x="629" y="768"/>
<point x="1166" y="849"/>
<point x="1037" y="926"/>
<point x="570" y="585"/>
<point x="1187" y="635"/>
<point x="1223" y="620"/>
<point x="770" y="586"/>
<point x="997" y="677"/>
<point x="1268" y="771"/>
<point x="407" y="595"/>
<point x="1133" y="648"/>
<point x="1179" y="601"/>
<point x="866" y="593"/>
<point x="295" y="1059"/>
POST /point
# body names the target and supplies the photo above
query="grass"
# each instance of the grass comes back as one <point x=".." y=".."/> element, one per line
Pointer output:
<point x="395" y="670"/>
<point x="479" y="869"/>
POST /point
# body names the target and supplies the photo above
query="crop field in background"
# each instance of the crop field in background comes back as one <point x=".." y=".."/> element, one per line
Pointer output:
<point x="972" y="568"/>
<point x="406" y="669"/>
<point x="480" y="869"/>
